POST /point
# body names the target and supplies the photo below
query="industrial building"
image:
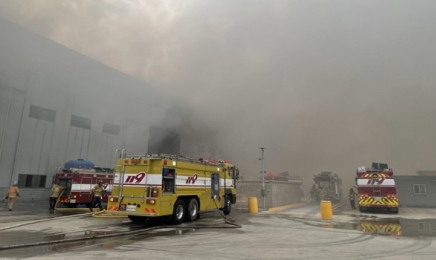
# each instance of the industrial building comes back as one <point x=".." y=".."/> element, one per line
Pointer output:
<point x="416" y="190"/>
<point x="58" y="105"/>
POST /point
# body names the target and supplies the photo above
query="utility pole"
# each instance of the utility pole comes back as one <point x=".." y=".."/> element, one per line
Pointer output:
<point x="263" y="176"/>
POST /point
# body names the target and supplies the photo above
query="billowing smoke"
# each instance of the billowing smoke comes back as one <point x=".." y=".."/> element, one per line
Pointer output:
<point x="323" y="85"/>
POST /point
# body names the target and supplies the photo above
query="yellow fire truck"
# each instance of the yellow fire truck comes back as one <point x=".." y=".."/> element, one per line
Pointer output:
<point x="157" y="185"/>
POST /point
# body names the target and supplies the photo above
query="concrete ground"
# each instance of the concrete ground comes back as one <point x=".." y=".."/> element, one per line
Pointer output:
<point x="294" y="233"/>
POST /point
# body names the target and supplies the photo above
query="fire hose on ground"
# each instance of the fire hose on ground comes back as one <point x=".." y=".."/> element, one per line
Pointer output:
<point x="42" y="243"/>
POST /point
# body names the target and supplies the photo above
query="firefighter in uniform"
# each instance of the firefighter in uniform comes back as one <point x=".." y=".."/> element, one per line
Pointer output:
<point x="351" y="197"/>
<point x="12" y="195"/>
<point x="55" y="192"/>
<point x="97" y="193"/>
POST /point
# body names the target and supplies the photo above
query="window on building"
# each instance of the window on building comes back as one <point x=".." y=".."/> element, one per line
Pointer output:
<point x="41" y="113"/>
<point x="81" y="122"/>
<point x="419" y="189"/>
<point x="423" y="226"/>
<point x="111" y="129"/>
<point x="31" y="181"/>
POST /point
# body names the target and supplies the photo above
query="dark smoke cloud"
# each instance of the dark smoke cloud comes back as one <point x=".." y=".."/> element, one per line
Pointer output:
<point x="324" y="85"/>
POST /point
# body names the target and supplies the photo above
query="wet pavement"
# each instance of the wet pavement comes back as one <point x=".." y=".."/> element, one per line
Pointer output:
<point x="376" y="222"/>
<point x="298" y="233"/>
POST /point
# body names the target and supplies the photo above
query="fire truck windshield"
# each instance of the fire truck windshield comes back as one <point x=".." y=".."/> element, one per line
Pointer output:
<point x="233" y="172"/>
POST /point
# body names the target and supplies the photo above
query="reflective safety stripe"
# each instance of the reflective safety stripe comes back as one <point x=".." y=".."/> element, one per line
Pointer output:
<point x="378" y="175"/>
<point x="369" y="200"/>
<point x="388" y="229"/>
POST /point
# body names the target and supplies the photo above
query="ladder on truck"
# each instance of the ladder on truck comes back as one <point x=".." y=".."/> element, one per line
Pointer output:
<point x="124" y="154"/>
<point x="376" y="191"/>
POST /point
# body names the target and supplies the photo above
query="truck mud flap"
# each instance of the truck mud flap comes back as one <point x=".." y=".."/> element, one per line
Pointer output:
<point x="233" y="198"/>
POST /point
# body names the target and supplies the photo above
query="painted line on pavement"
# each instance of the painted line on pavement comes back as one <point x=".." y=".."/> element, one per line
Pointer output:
<point x="281" y="208"/>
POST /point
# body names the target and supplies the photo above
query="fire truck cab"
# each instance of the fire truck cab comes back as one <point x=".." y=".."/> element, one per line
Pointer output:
<point x="78" y="177"/>
<point x="157" y="185"/>
<point x="376" y="188"/>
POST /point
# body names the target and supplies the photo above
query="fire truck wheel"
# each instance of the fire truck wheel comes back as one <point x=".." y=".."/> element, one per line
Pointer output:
<point x="178" y="212"/>
<point x="228" y="206"/>
<point x="191" y="213"/>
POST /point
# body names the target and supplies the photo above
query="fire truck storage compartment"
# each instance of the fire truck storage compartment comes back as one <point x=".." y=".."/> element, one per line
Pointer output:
<point x="168" y="180"/>
<point x="215" y="184"/>
<point x="379" y="166"/>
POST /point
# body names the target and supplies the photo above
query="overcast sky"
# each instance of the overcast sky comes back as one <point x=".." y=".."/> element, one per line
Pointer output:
<point x="324" y="85"/>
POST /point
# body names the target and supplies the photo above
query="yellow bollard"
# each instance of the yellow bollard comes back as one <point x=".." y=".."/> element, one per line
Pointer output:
<point x="252" y="205"/>
<point x="326" y="210"/>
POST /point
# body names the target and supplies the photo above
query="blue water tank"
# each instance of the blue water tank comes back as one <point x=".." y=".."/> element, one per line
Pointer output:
<point x="79" y="163"/>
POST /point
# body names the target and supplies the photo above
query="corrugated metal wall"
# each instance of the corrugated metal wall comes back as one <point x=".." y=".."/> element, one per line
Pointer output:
<point x="57" y="105"/>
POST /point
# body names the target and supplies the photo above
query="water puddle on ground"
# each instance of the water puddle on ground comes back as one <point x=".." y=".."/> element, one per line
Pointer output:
<point x="25" y="237"/>
<point x="21" y="237"/>
<point x="166" y="233"/>
<point x="389" y="226"/>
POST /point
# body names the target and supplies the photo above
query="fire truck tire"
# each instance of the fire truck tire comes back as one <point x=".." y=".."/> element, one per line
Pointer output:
<point x="228" y="205"/>
<point x="178" y="212"/>
<point x="191" y="213"/>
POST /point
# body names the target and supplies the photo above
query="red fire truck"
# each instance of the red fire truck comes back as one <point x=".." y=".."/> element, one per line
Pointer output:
<point x="328" y="187"/>
<point x="78" y="177"/>
<point x="376" y="188"/>
<point x="283" y="176"/>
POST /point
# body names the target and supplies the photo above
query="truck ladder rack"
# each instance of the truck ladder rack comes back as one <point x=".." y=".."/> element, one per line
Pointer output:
<point x="166" y="156"/>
